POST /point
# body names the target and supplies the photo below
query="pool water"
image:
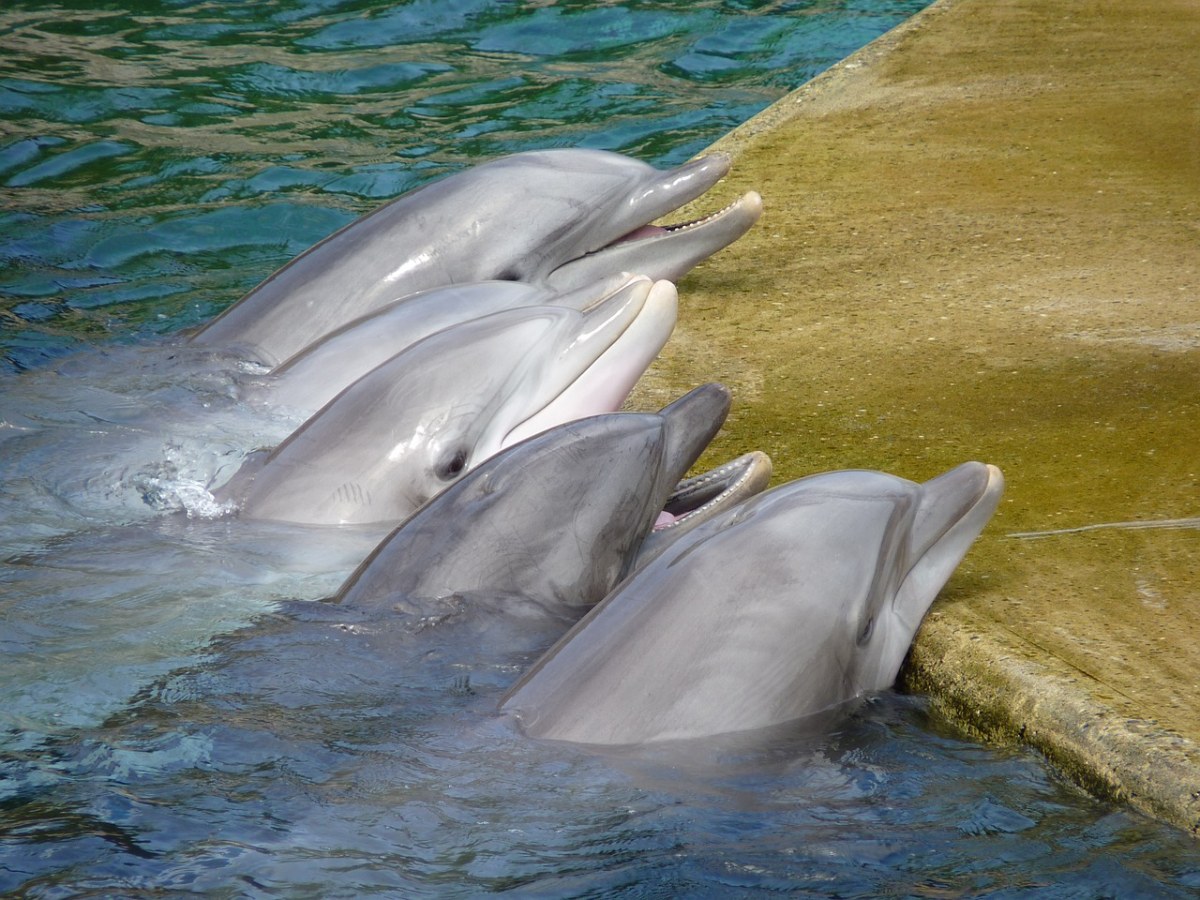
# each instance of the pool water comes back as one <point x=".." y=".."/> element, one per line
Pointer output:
<point x="160" y="159"/>
<point x="177" y="717"/>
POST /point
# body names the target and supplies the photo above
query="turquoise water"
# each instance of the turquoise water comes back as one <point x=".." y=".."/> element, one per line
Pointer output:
<point x="159" y="159"/>
<point x="172" y="723"/>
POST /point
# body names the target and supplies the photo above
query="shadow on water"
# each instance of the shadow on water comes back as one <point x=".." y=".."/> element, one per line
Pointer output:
<point x="178" y="715"/>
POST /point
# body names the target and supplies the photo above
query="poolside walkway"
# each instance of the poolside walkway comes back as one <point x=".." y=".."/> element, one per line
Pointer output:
<point x="982" y="240"/>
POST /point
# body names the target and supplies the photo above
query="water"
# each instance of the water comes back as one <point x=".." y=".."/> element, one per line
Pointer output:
<point x="156" y="163"/>
<point x="173" y="721"/>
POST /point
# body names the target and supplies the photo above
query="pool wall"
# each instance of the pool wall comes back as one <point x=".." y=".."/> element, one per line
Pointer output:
<point x="982" y="240"/>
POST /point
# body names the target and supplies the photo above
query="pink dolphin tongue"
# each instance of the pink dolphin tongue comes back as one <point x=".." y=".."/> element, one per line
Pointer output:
<point x="664" y="519"/>
<point x="644" y="231"/>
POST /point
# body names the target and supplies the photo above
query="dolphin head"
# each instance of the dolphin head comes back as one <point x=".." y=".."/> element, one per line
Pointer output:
<point x="556" y="519"/>
<point x="557" y="217"/>
<point x="569" y="216"/>
<point x="785" y="606"/>
<point x="418" y="422"/>
<point x="311" y="378"/>
<point x="622" y="198"/>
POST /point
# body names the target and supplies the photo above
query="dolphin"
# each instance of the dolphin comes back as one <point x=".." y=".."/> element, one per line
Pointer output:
<point x="308" y="380"/>
<point x="556" y="520"/>
<point x="785" y="606"/>
<point x="560" y="217"/>
<point x="417" y="423"/>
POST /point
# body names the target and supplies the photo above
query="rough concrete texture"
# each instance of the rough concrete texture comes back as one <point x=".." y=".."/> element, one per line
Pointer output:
<point x="982" y="240"/>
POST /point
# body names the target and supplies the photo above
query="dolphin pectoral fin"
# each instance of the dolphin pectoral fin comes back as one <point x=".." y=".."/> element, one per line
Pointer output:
<point x="233" y="490"/>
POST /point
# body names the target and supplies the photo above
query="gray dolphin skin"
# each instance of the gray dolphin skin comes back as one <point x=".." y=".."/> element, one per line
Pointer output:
<point x="785" y="606"/>
<point x="415" y="424"/>
<point x="555" y="520"/>
<point x="311" y="378"/>
<point x="560" y="217"/>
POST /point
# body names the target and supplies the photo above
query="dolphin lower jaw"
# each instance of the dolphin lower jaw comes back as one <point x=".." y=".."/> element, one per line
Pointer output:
<point x="607" y="377"/>
<point x="662" y="251"/>
<point x="702" y="497"/>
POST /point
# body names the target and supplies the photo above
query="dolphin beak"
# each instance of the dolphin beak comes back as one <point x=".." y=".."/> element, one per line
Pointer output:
<point x="595" y="292"/>
<point x="666" y="251"/>
<point x="619" y="338"/>
<point x="670" y="251"/>
<point x="691" y="422"/>
<point x="953" y="510"/>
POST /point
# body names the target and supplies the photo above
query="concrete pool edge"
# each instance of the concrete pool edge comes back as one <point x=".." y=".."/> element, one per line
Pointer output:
<point x="999" y="689"/>
<point x="996" y="684"/>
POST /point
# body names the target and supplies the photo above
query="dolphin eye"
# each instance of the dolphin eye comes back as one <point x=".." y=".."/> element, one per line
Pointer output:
<point x="865" y="634"/>
<point x="452" y="465"/>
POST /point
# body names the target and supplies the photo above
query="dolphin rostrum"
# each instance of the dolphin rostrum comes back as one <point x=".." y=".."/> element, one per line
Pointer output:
<point x="787" y="605"/>
<point x="311" y="378"/>
<point x="561" y="217"/>
<point x="555" y="520"/>
<point x="417" y="423"/>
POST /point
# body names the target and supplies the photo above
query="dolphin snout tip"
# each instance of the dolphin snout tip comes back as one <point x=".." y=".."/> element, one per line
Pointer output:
<point x="717" y="161"/>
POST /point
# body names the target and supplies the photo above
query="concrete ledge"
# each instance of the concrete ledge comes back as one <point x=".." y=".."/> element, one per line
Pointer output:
<point x="1002" y="691"/>
<point x="982" y="240"/>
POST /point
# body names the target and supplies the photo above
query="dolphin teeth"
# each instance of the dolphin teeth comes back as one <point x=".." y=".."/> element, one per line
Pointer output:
<point x="646" y="232"/>
<point x="701" y="496"/>
<point x="749" y="197"/>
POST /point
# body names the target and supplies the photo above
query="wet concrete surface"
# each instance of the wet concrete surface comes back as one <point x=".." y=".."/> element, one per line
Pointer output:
<point x="982" y="241"/>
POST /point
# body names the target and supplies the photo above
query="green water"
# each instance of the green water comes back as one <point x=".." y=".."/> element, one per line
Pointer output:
<point x="159" y="159"/>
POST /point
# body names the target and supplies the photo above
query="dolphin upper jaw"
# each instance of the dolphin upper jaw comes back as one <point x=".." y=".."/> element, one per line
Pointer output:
<point x="647" y="194"/>
<point x="952" y="511"/>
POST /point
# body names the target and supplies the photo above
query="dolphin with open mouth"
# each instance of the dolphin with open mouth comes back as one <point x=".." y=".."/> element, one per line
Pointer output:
<point x="787" y="605"/>
<point x="417" y="423"/>
<point x="556" y="520"/>
<point x="560" y="217"/>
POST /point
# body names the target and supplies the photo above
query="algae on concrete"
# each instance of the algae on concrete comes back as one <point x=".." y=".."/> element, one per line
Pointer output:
<point x="982" y="240"/>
